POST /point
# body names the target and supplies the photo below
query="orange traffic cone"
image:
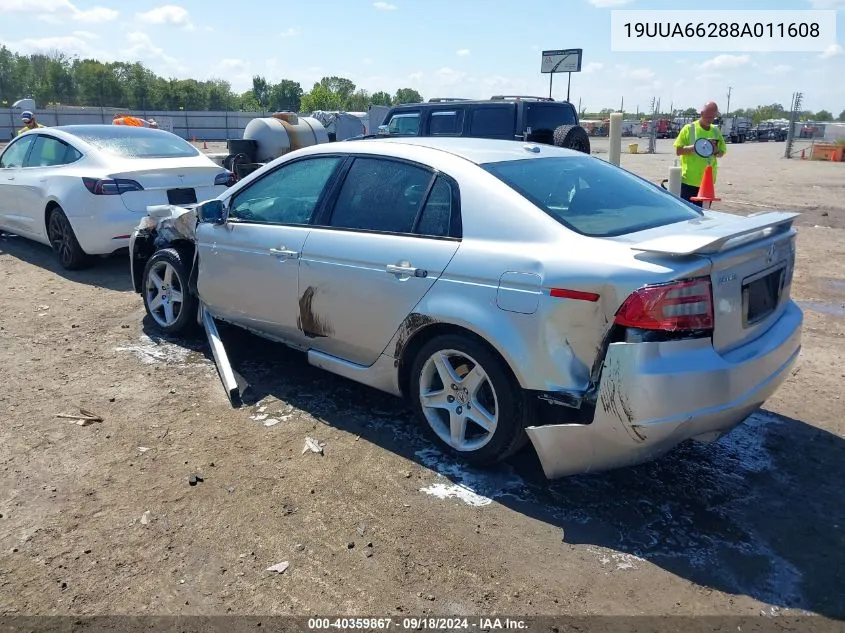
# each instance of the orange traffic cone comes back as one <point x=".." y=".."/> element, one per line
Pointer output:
<point x="706" y="191"/>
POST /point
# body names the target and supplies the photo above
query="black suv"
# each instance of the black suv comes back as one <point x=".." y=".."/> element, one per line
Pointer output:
<point x="509" y="117"/>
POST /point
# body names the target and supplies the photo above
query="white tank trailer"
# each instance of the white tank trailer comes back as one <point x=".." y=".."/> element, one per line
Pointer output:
<point x="267" y="138"/>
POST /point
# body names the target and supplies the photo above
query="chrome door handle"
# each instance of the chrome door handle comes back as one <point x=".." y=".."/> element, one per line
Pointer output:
<point x="406" y="270"/>
<point x="283" y="252"/>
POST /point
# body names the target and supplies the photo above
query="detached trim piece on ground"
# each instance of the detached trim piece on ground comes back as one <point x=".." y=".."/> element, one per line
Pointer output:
<point x="221" y="359"/>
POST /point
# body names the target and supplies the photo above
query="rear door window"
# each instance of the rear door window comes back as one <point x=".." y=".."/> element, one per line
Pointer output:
<point x="382" y="195"/>
<point x="446" y="123"/>
<point x="493" y="122"/>
<point x="51" y="152"/>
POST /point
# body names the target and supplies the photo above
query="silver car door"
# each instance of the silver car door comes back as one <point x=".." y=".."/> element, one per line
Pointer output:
<point x="248" y="267"/>
<point x="391" y="232"/>
<point x="11" y="162"/>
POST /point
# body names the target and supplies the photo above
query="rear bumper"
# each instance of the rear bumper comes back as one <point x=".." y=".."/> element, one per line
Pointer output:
<point x="653" y="396"/>
<point x="100" y="234"/>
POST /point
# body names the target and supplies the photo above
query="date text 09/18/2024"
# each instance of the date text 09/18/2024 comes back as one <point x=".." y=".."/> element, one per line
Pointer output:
<point x="418" y="624"/>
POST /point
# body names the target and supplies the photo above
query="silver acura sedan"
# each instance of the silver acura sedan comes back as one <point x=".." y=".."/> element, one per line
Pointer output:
<point x="512" y="292"/>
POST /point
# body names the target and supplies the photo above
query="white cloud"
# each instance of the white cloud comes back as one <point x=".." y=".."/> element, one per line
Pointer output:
<point x="384" y="6"/>
<point x="291" y="32"/>
<point x="607" y="4"/>
<point x="592" y="67"/>
<point x="143" y="49"/>
<point x="780" y="69"/>
<point x="166" y="14"/>
<point x="828" y="4"/>
<point x="88" y="35"/>
<point x="95" y="15"/>
<point x="832" y="51"/>
<point x="57" y="11"/>
<point x="69" y="45"/>
<point x="721" y="62"/>
<point x="233" y="64"/>
<point x="641" y="74"/>
<point x="463" y="52"/>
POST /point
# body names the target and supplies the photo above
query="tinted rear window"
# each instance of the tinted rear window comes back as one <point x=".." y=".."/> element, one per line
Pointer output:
<point x="591" y="196"/>
<point x="129" y="142"/>
<point x="493" y="122"/>
<point x="544" y="119"/>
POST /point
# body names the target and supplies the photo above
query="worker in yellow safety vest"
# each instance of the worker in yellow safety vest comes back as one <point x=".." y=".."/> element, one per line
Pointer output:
<point x="693" y="165"/>
<point x="29" y="122"/>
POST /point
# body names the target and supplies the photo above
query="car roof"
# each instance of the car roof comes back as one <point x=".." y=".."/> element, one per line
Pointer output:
<point x="472" y="149"/>
<point x="462" y="102"/>
<point x="97" y="128"/>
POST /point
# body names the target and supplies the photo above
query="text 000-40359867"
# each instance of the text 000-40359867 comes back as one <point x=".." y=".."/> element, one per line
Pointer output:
<point x="722" y="31"/>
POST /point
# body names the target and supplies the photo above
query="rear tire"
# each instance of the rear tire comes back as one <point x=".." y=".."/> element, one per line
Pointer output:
<point x="457" y="385"/>
<point x="167" y="296"/>
<point x="63" y="241"/>
<point x="572" y="137"/>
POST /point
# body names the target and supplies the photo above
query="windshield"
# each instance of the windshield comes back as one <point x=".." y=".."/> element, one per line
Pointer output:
<point x="130" y="142"/>
<point x="591" y="196"/>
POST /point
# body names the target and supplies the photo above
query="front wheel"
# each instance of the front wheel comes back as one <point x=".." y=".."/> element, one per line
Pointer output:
<point x="467" y="400"/>
<point x="167" y="296"/>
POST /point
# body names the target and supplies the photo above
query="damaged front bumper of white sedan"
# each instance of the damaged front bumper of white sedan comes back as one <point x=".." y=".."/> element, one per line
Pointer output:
<point x="654" y="396"/>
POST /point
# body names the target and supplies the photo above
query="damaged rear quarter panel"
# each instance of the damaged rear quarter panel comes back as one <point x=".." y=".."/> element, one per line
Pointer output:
<point x="553" y="349"/>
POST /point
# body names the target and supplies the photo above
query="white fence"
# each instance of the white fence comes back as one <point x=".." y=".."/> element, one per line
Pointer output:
<point x="202" y="126"/>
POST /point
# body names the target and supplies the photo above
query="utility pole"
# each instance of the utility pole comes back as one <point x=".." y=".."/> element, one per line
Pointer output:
<point x="728" y="109"/>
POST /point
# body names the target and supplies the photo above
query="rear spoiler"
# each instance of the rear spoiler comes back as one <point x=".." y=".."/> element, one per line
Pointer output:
<point x="709" y="238"/>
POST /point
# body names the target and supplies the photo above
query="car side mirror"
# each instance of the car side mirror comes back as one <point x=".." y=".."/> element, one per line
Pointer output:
<point x="383" y="129"/>
<point x="212" y="212"/>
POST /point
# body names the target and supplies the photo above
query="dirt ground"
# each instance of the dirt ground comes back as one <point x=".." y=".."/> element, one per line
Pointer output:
<point x="101" y="518"/>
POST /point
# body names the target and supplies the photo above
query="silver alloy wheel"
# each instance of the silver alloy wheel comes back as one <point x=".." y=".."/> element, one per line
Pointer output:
<point x="164" y="293"/>
<point x="458" y="400"/>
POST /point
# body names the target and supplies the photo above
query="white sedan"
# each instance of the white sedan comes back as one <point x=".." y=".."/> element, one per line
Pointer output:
<point x="82" y="189"/>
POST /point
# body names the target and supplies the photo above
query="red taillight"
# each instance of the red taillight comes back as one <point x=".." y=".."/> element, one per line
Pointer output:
<point x="680" y="305"/>
<point x="111" y="187"/>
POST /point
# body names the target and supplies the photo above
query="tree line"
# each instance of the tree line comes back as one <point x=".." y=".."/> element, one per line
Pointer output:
<point x="758" y="114"/>
<point x="56" y="78"/>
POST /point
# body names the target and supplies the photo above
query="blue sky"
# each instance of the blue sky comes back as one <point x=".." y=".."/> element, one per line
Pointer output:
<point x="459" y="48"/>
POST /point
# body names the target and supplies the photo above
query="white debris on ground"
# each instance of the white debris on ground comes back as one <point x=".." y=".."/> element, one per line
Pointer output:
<point x="313" y="445"/>
<point x="623" y="561"/>
<point x="270" y="411"/>
<point x="279" y="568"/>
<point x="150" y="352"/>
<point x="456" y="481"/>
<point x="454" y="491"/>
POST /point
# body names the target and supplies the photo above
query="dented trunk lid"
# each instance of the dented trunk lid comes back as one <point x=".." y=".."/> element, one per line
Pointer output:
<point x="752" y="265"/>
